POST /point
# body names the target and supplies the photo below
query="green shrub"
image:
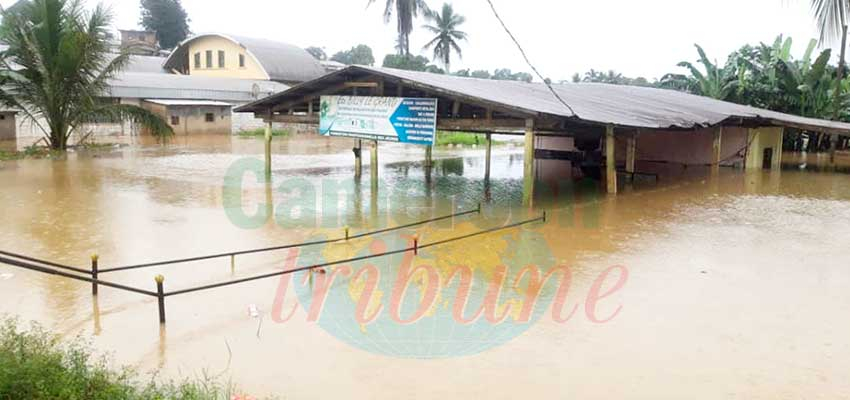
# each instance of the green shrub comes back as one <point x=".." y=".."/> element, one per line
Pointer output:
<point x="261" y="132"/>
<point x="34" y="364"/>
<point x="461" y="138"/>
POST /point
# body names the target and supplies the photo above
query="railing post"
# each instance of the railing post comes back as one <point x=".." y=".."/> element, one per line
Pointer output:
<point x="160" y="295"/>
<point x="94" y="259"/>
<point x="416" y="245"/>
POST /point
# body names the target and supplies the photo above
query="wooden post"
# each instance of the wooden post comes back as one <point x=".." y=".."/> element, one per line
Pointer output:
<point x="374" y="166"/>
<point x="610" y="160"/>
<point x="716" y="148"/>
<point x="269" y="147"/>
<point x="753" y="158"/>
<point x="160" y="296"/>
<point x="487" y="157"/>
<point x="94" y="268"/>
<point x="358" y="158"/>
<point x="528" y="164"/>
<point x="833" y="146"/>
<point x="429" y="157"/>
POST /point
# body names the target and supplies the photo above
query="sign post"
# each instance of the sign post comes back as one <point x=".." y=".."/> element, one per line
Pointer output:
<point x="389" y="119"/>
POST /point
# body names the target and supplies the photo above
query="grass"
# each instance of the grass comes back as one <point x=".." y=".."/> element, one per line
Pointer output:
<point x="462" y="138"/>
<point x="28" y="152"/>
<point x="35" y="364"/>
<point x="261" y="132"/>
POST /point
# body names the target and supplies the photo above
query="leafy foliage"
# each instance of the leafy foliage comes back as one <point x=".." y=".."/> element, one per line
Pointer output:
<point x="57" y="67"/>
<point x="410" y="63"/>
<point x="445" y="25"/>
<point x="359" y="55"/>
<point x="34" y="364"/>
<point x="405" y="12"/>
<point x="610" y="77"/>
<point x="317" y="52"/>
<point x="168" y="19"/>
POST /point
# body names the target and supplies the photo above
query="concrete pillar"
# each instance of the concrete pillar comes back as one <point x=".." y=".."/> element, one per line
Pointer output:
<point x="716" y="148"/>
<point x="753" y="159"/>
<point x="528" y="164"/>
<point x="777" y="153"/>
<point x="610" y="160"/>
<point x="268" y="139"/>
<point x="487" y="157"/>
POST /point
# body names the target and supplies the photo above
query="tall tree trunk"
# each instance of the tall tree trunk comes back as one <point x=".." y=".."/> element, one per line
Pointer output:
<point x="837" y="104"/>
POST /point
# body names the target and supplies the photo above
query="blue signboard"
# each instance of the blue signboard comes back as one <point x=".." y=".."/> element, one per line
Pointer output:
<point x="392" y="119"/>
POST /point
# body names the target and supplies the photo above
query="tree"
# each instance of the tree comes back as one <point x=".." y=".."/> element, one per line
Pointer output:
<point x="445" y="25"/>
<point x="480" y="74"/>
<point x="716" y="82"/>
<point x="462" y="73"/>
<point x="360" y="55"/>
<point x="831" y="16"/>
<point x="57" y="66"/>
<point x="317" y="52"/>
<point x="611" y="77"/>
<point x="168" y="19"/>
<point x="407" y="62"/>
<point x="405" y="12"/>
<point x="505" y="74"/>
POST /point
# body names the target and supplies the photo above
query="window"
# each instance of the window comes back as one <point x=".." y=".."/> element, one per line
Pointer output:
<point x="210" y="117"/>
<point x="209" y="59"/>
<point x="197" y="60"/>
<point x="241" y="61"/>
<point x="175" y="120"/>
<point x="220" y="59"/>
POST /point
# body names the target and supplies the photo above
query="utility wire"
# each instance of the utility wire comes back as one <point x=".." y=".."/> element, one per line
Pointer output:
<point x="527" y="61"/>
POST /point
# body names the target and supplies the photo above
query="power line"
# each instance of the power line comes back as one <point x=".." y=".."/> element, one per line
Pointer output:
<point x="527" y="61"/>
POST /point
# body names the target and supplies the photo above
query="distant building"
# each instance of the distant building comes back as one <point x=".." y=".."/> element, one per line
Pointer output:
<point x="196" y="87"/>
<point x="220" y="55"/>
<point x="140" y="42"/>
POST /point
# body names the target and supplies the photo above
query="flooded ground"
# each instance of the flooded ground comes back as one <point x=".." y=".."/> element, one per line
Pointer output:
<point x="736" y="286"/>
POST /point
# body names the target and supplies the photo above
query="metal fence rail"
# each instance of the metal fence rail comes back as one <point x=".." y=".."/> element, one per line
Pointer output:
<point x="416" y="247"/>
<point x="47" y="267"/>
<point x="288" y="246"/>
<point x="37" y="268"/>
<point x="50" y="263"/>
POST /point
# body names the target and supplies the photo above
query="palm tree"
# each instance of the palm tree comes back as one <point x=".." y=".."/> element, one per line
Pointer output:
<point x="717" y="82"/>
<point x="57" y="67"/>
<point x="405" y="11"/>
<point x="831" y="16"/>
<point x="445" y="25"/>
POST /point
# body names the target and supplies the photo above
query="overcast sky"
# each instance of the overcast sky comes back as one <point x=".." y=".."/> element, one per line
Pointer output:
<point x="637" y="38"/>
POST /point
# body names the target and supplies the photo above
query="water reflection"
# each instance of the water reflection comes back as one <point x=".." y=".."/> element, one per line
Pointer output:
<point x="771" y="276"/>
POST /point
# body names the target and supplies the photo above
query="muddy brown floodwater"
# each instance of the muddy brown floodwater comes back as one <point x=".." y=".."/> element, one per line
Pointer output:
<point x="737" y="283"/>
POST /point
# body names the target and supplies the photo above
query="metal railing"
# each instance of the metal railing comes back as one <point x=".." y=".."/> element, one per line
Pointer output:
<point x="47" y="267"/>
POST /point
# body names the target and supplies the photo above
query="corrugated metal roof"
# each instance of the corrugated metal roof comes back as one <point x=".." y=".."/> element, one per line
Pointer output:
<point x="170" y="102"/>
<point x="172" y="86"/>
<point x="626" y="106"/>
<point x="282" y="61"/>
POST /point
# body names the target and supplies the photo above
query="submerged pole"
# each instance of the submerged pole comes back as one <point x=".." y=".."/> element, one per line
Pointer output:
<point x="429" y="161"/>
<point x="358" y="158"/>
<point x="488" y="156"/>
<point x="610" y="160"/>
<point x="94" y="259"/>
<point x="269" y="147"/>
<point x="374" y="160"/>
<point x="160" y="296"/>
<point x="528" y="165"/>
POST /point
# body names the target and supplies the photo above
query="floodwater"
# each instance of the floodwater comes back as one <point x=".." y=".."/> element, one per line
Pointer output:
<point x="736" y="287"/>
